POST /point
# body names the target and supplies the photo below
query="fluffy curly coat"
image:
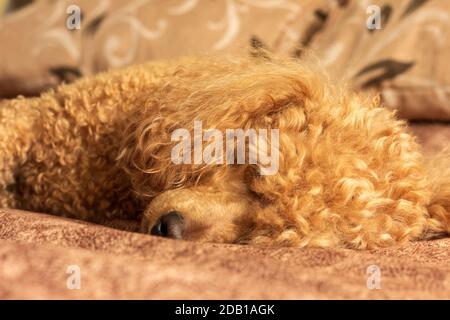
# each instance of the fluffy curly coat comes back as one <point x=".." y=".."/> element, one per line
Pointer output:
<point x="350" y="174"/>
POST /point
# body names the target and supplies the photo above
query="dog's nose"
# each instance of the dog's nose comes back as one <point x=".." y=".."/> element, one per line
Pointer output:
<point x="169" y="225"/>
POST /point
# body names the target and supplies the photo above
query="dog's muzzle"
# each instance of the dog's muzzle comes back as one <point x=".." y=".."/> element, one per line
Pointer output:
<point x="169" y="225"/>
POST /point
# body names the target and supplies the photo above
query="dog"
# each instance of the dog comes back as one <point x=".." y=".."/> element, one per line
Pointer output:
<point x="350" y="174"/>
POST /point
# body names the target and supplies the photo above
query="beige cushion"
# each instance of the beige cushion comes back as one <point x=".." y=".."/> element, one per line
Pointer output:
<point x="407" y="61"/>
<point x="41" y="51"/>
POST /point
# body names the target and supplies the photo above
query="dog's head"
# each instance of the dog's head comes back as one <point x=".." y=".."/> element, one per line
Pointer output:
<point x="229" y="201"/>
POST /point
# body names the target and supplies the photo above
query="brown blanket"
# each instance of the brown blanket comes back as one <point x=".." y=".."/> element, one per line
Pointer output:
<point x="37" y="251"/>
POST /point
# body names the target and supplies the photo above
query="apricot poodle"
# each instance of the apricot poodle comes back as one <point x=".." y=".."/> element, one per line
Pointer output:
<point x="349" y="173"/>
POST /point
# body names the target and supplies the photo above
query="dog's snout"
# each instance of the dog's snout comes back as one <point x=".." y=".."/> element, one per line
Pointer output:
<point x="169" y="225"/>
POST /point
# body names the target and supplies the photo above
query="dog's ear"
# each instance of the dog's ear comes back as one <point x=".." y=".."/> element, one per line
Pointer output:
<point x="255" y="91"/>
<point x="228" y="94"/>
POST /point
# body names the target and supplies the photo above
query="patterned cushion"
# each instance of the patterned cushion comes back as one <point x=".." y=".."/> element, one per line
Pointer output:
<point x="406" y="60"/>
<point x="41" y="51"/>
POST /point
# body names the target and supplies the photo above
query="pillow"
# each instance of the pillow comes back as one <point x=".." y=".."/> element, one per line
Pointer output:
<point x="37" y="50"/>
<point x="407" y="60"/>
<point x="41" y="51"/>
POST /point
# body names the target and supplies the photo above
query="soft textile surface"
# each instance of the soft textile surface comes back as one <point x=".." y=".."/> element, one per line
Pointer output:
<point x="406" y="60"/>
<point x="36" y="251"/>
<point x="433" y="137"/>
<point x="41" y="51"/>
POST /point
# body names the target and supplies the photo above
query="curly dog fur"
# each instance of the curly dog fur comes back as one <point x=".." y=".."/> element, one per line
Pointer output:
<point x="350" y="174"/>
